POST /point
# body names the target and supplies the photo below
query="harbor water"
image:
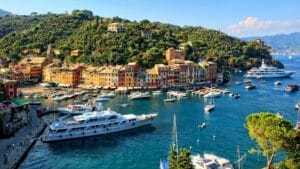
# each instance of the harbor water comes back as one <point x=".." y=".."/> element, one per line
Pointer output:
<point x="143" y="148"/>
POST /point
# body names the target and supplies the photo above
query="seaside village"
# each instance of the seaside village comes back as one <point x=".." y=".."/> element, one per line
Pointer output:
<point x="33" y="69"/>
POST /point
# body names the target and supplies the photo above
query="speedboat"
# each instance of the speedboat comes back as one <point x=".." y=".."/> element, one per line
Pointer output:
<point x="139" y="95"/>
<point x="209" y="107"/>
<point x="170" y="100"/>
<point x="291" y="88"/>
<point x="250" y="86"/>
<point x="210" y="161"/>
<point x="277" y="83"/>
<point x="247" y="81"/>
<point x="95" y="123"/>
<point x="234" y="95"/>
<point x="265" y="71"/>
<point x="297" y="106"/>
<point x="202" y="125"/>
<point x="238" y="83"/>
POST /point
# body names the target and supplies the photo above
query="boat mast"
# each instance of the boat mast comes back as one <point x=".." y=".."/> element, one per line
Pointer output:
<point x="175" y="138"/>
<point x="239" y="157"/>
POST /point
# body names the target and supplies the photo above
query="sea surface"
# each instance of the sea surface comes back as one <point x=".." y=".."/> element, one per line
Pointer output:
<point x="143" y="148"/>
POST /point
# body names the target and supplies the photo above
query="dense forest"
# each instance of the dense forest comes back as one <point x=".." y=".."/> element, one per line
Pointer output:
<point x="87" y="32"/>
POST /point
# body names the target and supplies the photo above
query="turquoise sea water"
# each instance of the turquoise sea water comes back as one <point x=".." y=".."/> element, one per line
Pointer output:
<point x="143" y="148"/>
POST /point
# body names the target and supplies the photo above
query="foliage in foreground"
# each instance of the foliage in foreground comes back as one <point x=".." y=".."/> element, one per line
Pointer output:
<point x="181" y="160"/>
<point x="273" y="134"/>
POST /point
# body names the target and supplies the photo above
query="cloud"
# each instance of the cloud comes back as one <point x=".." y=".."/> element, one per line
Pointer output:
<point x="253" y="26"/>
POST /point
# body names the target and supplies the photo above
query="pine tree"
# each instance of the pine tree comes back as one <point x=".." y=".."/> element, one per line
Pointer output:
<point x="184" y="160"/>
<point x="172" y="159"/>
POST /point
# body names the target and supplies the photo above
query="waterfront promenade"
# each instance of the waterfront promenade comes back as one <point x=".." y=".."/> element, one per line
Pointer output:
<point x="14" y="148"/>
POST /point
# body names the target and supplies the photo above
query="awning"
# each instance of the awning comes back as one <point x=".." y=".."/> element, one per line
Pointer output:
<point x="20" y="101"/>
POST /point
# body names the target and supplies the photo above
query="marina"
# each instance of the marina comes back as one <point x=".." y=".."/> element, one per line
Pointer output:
<point x="155" y="139"/>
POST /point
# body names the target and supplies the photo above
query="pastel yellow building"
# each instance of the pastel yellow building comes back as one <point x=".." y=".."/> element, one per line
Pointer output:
<point x="91" y="76"/>
<point x="116" y="27"/>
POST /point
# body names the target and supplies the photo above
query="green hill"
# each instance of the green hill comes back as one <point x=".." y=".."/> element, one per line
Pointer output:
<point x="82" y="30"/>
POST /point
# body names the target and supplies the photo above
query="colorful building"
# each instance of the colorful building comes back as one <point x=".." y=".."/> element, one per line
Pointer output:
<point x="116" y="27"/>
<point x="210" y="70"/>
<point x="64" y="76"/>
<point x="9" y="88"/>
<point x="172" y="53"/>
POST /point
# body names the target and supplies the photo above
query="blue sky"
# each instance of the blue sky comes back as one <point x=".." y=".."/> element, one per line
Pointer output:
<point x="236" y="17"/>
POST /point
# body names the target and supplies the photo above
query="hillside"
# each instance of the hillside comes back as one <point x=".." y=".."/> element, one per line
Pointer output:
<point x="4" y="13"/>
<point x="282" y="43"/>
<point x="82" y="30"/>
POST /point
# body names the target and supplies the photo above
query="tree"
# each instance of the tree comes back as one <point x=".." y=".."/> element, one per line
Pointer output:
<point x="184" y="160"/>
<point x="271" y="132"/>
<point x="172" y="159"/>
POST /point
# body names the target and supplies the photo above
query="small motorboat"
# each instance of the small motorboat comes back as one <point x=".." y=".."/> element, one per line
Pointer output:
<point x="170" y="100"/>
<point x="238" y="83"/>
<point x="250" y="86"/>
<point x="247" y="81"/>
<point x="123" y="105"/>
<point x="202" y="125"/>
<point x="291" y="88"/>
<point x="209" y="107"/>
<point x="277" y="83"/>
<point x="297" y="106"/>
<point x="234" y="95"/>
<point x="263" y="81"/>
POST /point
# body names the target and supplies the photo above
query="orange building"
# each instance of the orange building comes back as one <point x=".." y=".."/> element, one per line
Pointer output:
<point x="66" y="76"/>
<point x="172" y="53"/>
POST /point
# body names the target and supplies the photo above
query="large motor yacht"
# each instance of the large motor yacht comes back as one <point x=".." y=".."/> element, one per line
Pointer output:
<point x="265" y="71"/>
<point x="95" y="123"/>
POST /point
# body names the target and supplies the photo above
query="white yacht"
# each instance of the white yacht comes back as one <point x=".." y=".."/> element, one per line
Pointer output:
<point x="78" y="109"/>
<point x="210" y="161"/>
<point x="139" y="95"/>
<point x="265" y="71"/>
<point x="95" y="123"/>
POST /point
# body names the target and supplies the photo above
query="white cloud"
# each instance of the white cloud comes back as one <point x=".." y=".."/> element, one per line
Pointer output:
<point x="253" y="26"/>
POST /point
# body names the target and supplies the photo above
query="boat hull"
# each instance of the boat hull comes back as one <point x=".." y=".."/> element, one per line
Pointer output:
<point x="94" y="132"/>
<point x="285" y="75"/>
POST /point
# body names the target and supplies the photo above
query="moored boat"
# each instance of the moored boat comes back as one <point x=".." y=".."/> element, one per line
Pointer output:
<point x="250" y="86"/>
<point x="139" y="95"/>
<point x="277" y="83"/>
<point x="95" y="123"/>
<point x="291" y="88"/>
<point x="297" y="106"/>
<point x="170" y="100"/>
<point x="265" y="71"/>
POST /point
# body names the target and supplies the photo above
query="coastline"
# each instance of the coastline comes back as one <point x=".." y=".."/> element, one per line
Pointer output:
<point x="17" y="147"/>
